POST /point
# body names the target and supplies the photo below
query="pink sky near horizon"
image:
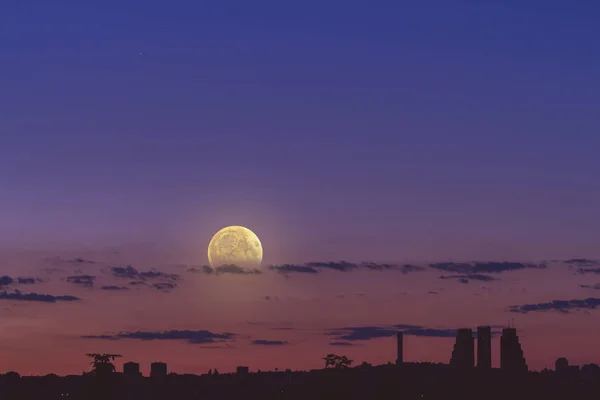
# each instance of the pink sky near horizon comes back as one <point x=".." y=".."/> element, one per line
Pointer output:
<point x="40" y="338"/>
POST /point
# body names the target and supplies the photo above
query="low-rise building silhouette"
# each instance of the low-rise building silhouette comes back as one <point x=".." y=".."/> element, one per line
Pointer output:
<point x="484" y="347"/>
<point x="131" y="369"/>
<point x="511" y="353"/>
<point x="242" y="370"/>
<point x="463" y="354"/>
<point x="158" y="370"/>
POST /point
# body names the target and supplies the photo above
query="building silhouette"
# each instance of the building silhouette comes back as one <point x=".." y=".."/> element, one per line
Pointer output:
<point x="158" y="370"/>
<point x="463" y="354"/>
<point x="511" y="353"/>
<point x="242" y="370"/>
<point x="399" y="348"/>
<point x="561" y="364"/>
<point x="484" y="347"/>
<point x="131" y="369"/>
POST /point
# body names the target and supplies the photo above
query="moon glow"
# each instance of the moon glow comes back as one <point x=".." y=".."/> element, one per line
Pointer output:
<point x="235" y="245"/>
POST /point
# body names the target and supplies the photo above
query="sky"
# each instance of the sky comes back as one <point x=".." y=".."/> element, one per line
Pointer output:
<point x="354" y="138"/>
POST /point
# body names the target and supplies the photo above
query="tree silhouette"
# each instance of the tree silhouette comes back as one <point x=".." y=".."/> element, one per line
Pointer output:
<point x="333" y="360"/>
<point x="102" y="363"/>
<point x="343" y="362"/>
<point x="330" y="360"/>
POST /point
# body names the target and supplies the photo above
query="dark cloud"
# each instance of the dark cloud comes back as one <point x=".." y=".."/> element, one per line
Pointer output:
<point x="76" y="260"/>
<point x="164" y="286"/>
<point x="112" y="287"/>
<point x="376" y="266"/>
<point x="406" y="268"/>
<point x="6" y="280"/>
<point x="28" y="281"/>
<point x="563" y="306"/>
<point x="362" y="333"/>
<point x="158" y="275"/>
<point x="261" y="342"/>
<point x="287" y="268"/>
<point x="464" y="279"/>
<point x="582" y="262"/>
<point x="137" y="283"/>
<point x="125" y="272"/>
<point x="359" y="333"/>
<point x="427" y="332"/>
<point x="206" y="269"/>
<point x="82" y="280"/>
<point x="589" y="270"/>
<point x="433" y="292"/>
<point x="129" y="272"/>
<point x="490" y="267"/>
<point x="194" y="337"/>
<point x="235" y="269"/>
<point x="405" y="326"/>
<point x="270" y="298"/>
<point x="43" y="298"/>
<point x="337" y="266"/>
<point x="342" y="266"/>
<point x="595" y="287"/>
<point x="341" y="344"/>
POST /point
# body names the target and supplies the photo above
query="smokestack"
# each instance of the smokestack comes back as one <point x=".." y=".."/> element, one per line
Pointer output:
<point x="399" y="349"/>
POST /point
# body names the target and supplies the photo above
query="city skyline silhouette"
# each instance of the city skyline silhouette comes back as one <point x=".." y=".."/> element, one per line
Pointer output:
<point x="353" y="198"/>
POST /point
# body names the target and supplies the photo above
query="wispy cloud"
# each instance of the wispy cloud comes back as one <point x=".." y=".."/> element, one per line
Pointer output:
<point x="589" y="270"/>
<point x="36" y="297"/>
<point x="341" y="344"/>
<point x="488" y="267"/>
<point x="193" y="337"/>
<point x="129" y="272"/>
<point x="77" y="261"/>
<point x="164" y="286"/>
<point x="28" y="281"/>
<point x="342" y="266"/>
<point x="288" y="268"/>
<point x="563" y="306"/>
<point x="345" y="336"/>
<point x="225" y="269"/>
<point x="261" y="342"/>
<point x="82" y="280"/>
<point x="582" y="262"/>
<point x="114" y="288"/>
<point x="595" y="287"/>
<point x="465" y="278"/>
<point x="359" y="333"/>
<point x="234" y="269"/>
<point x="206" y="269"/>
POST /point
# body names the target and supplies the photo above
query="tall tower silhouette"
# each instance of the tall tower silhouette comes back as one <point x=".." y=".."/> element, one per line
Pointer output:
<point x="484" y="347"/>
<point x="511" y="353"/>
<point x="399" y="348"/>
<point x="158" y="370"/>
<point x="463" y="354"/>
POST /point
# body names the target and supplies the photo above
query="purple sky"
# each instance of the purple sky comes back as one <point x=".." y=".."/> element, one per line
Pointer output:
<point x="401" y="133"/>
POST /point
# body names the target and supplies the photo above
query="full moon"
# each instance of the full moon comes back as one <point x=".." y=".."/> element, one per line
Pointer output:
<point x="235" y="245"/>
